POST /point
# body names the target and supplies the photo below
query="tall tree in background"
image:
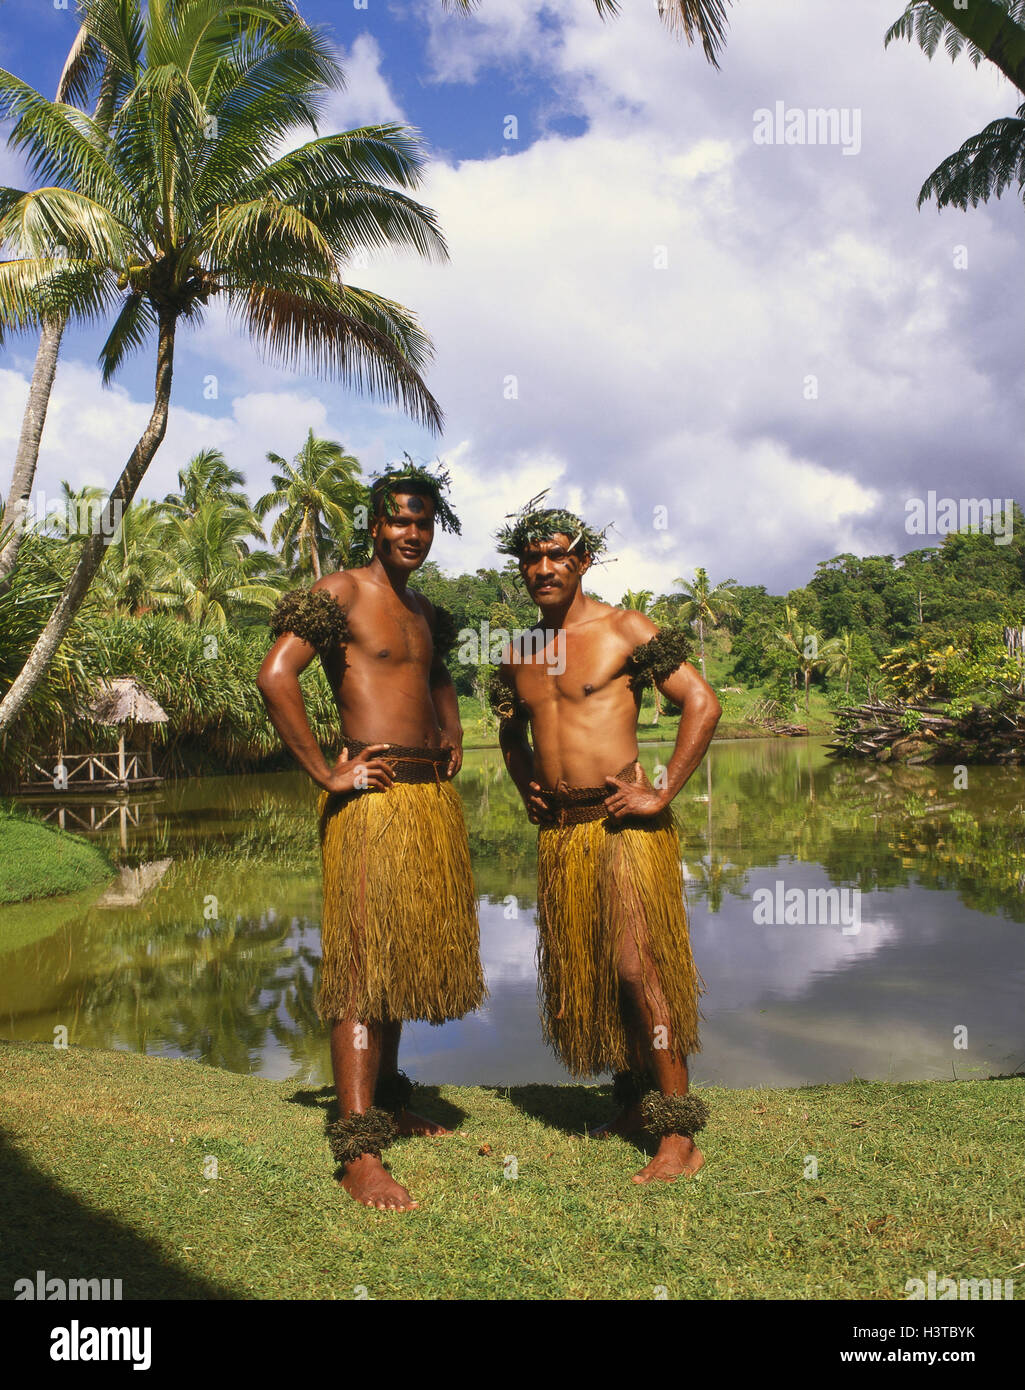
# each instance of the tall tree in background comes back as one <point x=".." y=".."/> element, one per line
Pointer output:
<point x="134" y="560"/>
<point x="207" y="477"/>
<point x="706" y="603"/>
<point x="810" y="649"/>
<point x="987" y="163"/>
<point x="183" y="197"/>
<point x="85" y="73"/>
<point x="210" y="575"/>
<point x="843" y="664"/>
<point x="318" y="493"/>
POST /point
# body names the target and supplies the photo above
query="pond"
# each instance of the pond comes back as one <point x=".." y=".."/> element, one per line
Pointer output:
<point x="206" y="946"/>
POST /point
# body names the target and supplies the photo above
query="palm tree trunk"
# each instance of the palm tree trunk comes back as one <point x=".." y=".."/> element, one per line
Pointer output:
<point x="27" y="456"/>
<point x="39" y="389"/>
<point x="701" y="638"/>
<point x="807" y="690"/>
<point x="91" y="557"/>
<point x="311" y="537"/>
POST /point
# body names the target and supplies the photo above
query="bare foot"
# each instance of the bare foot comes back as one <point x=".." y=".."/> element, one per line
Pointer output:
<point x="626" y="1125"/>
<point x="410" y="1123"/>
<point x="368" y="1181"/>
<point x="677" y="1156"/>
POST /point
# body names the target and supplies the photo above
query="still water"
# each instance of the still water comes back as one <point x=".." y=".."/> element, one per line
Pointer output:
<point x="206" y="945"/>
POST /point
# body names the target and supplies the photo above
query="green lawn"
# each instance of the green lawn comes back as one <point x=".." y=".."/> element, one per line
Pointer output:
<point x="40" y="861"/>
<point x="107" y="1174"/>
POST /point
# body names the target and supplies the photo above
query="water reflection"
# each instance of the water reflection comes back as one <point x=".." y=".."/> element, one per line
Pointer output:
<point x="207" y="943"/>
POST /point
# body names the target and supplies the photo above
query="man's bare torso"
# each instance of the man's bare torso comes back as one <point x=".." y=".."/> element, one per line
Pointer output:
<point x="584" y="720"/>
<point x="382" y="683"/>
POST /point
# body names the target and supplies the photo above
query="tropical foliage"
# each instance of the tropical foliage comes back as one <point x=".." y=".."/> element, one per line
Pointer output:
<point x="184" y="194"/>
<point x="990" y="162"/>
<point x="319" y="494"/>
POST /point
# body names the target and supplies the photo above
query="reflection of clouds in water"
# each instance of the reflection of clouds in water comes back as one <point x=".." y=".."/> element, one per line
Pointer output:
<point x="935" y="964"/>
<point x="501" y="1043"/>
<point x="748" y="962"/>
<point x="507" y="947"/>
<point x="751" y="962"/>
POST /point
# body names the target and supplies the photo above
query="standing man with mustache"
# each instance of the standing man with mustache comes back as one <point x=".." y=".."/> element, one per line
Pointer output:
<point x="400" y="936"/>
<point x="618" y="980"/>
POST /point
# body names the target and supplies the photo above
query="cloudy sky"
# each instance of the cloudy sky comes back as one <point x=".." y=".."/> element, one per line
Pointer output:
<point x="743" y="355"/>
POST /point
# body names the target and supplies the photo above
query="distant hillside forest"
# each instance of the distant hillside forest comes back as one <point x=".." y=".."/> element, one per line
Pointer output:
<point x="186" y="587"/>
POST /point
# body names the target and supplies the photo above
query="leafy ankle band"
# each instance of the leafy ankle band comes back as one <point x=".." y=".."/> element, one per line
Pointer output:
<point x="673" y="1114"/>
<point x="357" y="1135"/>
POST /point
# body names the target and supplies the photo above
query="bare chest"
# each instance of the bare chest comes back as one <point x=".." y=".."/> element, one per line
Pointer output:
<point x="388" y="634"/>
<point x="574" y="668"/>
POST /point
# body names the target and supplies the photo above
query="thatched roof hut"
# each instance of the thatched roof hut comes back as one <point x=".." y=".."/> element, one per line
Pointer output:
<point x="123" y="701"/>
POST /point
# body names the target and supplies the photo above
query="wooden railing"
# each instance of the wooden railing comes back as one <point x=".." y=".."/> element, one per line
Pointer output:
<point x="82" y="769"/>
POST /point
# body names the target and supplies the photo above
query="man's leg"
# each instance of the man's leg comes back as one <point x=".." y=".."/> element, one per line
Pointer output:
<point x="408" y="1121"/>
<point x="646" y="1021"/>
<point x="356" y="1054"/>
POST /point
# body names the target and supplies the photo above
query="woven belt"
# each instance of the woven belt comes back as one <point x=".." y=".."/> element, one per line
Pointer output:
<point x="408" y="763"/>
<point x="575" y="805"/>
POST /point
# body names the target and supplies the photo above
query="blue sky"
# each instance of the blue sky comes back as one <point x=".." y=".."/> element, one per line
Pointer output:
<point x="746" y="356"/>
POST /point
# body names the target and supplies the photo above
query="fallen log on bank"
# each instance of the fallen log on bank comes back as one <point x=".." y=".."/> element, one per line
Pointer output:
<point x="922" y="734"/>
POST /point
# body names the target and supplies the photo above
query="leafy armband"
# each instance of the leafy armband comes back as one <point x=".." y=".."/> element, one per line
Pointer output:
<point x="445" y="633"/>
<point x="314" y="616"/>
<point x="505" y="703"/>
<point x="659" y="658"/>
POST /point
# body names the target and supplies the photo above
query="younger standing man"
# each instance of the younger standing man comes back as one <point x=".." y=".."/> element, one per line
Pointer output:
<point x="618" y="980"/>
<point x="400" y="935"/>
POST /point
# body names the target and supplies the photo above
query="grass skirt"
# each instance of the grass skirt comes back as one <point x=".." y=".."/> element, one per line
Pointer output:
<point x="594" y="880"/>
<point x="400" y="938"/>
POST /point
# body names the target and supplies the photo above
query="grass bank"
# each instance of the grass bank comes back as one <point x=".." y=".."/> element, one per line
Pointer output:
<point x="107" y="1173"/>
<point x="40" y="861"/>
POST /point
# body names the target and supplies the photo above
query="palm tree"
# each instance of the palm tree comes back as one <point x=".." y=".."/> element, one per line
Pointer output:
<point x="135" y="560"/>
<point x="318" y="492"/>
<point x="207" y="475"/>
<point x="210" y="576"/>
<point x="183" y="198"/>
<point x="706" y="603"/>
<point x="844" y="664"/>
<point x="987" y="163"/>
<point x="704" y="19"/>
<point x="84" y="69"/>
<point x="809" y="648"/>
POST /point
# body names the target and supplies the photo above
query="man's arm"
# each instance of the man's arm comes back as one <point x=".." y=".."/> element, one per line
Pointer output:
<point x="278" y="683"/>
<point x="701" y="713"/>
<point x="443" y="690"/>
<point x="513" y="723"/>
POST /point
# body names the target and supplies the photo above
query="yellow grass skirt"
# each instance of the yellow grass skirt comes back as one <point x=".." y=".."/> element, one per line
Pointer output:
<point x="400" y="938"/>
<point x="593" y="880"/>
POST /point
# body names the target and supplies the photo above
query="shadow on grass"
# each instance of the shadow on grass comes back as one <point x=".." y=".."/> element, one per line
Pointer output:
<point x="426" y="1101"/>
<point x="573" y="1109"/>
<point x="47" y="1228"/>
